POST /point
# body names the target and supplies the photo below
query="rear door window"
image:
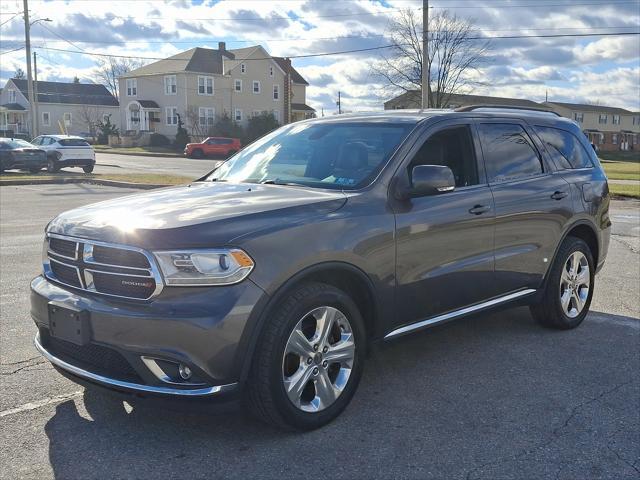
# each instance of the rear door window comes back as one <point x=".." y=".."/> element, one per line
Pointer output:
<point x="73" y="142"/>
<point x="564" y="148"/>
<point x="509" y="152"/>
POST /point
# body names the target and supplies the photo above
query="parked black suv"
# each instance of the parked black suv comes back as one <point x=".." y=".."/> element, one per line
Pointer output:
<point x="273" y="274"/>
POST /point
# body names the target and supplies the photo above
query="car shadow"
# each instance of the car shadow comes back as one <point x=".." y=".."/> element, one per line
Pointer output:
<point x="435" y="404"/>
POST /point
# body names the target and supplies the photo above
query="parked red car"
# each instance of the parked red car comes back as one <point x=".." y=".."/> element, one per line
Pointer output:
<point x="213" y="146"/>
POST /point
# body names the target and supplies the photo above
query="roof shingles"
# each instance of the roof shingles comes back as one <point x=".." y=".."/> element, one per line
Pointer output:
<point x="70" y="93"/>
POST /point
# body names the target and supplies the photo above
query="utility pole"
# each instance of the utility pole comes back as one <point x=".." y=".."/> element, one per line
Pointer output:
<point x="27" y="41"/>
<point x="425" y="54"/>
<point x="35" y="95"/>
<point x="339" y="103"/>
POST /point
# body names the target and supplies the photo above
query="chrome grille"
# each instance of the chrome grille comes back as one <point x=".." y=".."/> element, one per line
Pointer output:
<point x="107" y="269"/>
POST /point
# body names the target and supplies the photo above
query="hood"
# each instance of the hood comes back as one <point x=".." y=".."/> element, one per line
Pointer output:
<point x="203" y="214"/>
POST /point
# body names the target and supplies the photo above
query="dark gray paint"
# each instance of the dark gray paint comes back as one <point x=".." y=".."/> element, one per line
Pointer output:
<point x="417" y="258"/>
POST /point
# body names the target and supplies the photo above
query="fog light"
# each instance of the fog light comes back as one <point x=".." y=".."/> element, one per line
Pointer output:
<point x="185" y="372"/>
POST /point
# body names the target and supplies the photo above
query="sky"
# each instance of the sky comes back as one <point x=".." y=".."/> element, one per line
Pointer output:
<point x="603" y="69"/>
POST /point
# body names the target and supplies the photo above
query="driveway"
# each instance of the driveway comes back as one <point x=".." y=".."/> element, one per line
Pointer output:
<point x="492" y="396"/>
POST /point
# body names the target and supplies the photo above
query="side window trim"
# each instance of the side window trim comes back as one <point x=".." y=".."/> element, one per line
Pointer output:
<point x="536" y="146"/>
<point x="429" y="131"/>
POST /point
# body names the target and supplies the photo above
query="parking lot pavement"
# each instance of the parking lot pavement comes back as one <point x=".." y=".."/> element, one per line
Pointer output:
<point x="491" y="396"/>
<point x="115" y="163"/>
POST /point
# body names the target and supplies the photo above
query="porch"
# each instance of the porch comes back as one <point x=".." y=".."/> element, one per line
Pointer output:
<point x="14" y="119"/>
<point x="142" y="116"/>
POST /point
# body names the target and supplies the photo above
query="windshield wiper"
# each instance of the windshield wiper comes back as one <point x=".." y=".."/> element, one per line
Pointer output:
<point x="277" y="181"/>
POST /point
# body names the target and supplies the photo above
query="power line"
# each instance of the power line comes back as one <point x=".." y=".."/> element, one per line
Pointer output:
<point x="357" y="50"/>
<point x="8" y="20"/>
<point x="268" y="40"/>
<point x="537" y="5"/>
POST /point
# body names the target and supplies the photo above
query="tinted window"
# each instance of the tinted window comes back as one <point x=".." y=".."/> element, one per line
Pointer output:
<point x="564" y="147"/>
<point x="338" y="155"/>
<point x="73" y="142"/>
<point x="453" y="148"/>
<point x="508" y="152"/>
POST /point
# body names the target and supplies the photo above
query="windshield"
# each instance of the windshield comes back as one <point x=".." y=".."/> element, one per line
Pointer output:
<point x="16" y="143"/>
<point x="337" y="155"/>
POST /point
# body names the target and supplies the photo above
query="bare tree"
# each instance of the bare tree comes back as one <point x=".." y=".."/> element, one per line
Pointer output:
<point x="19" y="73"/>
<point x="91" y="116"/>
<point x="193" y="121"/>
<point x="109" y="70"/>
<point x="454" y="56"/>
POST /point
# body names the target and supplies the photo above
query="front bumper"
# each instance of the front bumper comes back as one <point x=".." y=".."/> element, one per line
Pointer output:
<point x="76" y="162"/>
<point x="206" y="329"/>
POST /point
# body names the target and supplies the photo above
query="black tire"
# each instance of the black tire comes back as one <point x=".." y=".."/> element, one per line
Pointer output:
<point x="87" y="169"/>
<point x="265" y="392"/>
<point x="52" y="165"/>
<point x="197" y="153"/>
<point x="34" y="170"/>
<point x="549" y="311"/>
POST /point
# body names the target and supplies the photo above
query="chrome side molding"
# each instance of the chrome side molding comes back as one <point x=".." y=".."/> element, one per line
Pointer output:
<point x="457" y="313"/>
<point x="136" y="387"/>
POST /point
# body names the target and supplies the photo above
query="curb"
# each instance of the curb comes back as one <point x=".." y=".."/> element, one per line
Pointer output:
<point x="141" y="154"/>
<point x="106" y="183"/>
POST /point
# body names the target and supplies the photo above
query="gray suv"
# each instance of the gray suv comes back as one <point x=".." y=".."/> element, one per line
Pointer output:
<point x="268" y="280"/>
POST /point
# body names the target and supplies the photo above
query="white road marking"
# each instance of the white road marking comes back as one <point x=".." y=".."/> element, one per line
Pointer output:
<point x="40" y="403"/>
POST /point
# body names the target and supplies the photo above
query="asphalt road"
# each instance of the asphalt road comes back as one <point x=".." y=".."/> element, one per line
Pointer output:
<point x="115" y="163"/>
<point x="492" y="396"/>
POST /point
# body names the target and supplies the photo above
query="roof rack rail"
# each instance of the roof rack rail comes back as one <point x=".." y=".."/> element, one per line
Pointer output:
<point x="470" y="108"/>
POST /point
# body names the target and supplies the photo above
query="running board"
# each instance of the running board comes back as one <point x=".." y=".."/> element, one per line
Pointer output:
<point x="457" y="313"/>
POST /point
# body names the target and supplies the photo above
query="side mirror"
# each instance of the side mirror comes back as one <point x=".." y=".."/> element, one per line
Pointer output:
<point x="431" y="180"/>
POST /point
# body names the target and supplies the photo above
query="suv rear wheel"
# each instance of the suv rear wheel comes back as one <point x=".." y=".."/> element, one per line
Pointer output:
<point x="309" y="359"/>
<point x="197" y="153"/>
<point x="569" y="289"/>
<point x="88" y="169"/>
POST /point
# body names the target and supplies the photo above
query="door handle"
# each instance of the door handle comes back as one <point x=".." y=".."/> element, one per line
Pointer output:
<point x="479" y="209"/>
<point x="559" y="195"/>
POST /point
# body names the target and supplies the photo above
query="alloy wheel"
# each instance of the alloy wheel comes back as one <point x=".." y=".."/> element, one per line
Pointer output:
<point x="575" y="282"/>
<point x="318" y="359"/>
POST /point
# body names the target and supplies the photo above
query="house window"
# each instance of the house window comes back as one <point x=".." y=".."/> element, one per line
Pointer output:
<point x="616" y="119"/>
<point x="170" y="85"/>
<point x="602" y="119"/>
<point x="205" y="85"/>
<point x="256" y="86"/>
<point x="106" y="117"/>
<point x="132" y="87"/>
<point x="207" y="116"/>
<point x="237" y="85"/>
<point x="12" y="96"/>
<point x="67" y="119"/>
<point x="271" y="71"/>
<point x="276" y="115"/>
<point x="614" y="138"/>
<point x="578" y="117"/>
<point x="635" y="139"/>
<point x="276" y="92"/>
<point x="238" y="115"/>
<point x="46" y="119"/>
<point x="636" y="120"/>
<point x="172" y="115"/>
<point x="243" y="68"/>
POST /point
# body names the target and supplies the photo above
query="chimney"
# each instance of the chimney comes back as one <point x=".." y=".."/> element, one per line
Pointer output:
<point x="222" y="46"/>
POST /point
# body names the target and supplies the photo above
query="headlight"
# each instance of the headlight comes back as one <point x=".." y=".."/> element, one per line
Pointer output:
<point x="204" y="267"/>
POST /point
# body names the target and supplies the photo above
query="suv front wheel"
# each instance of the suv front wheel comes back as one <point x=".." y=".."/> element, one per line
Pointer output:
<point x="309" y="359"/>
<point x="569" y="288"/>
